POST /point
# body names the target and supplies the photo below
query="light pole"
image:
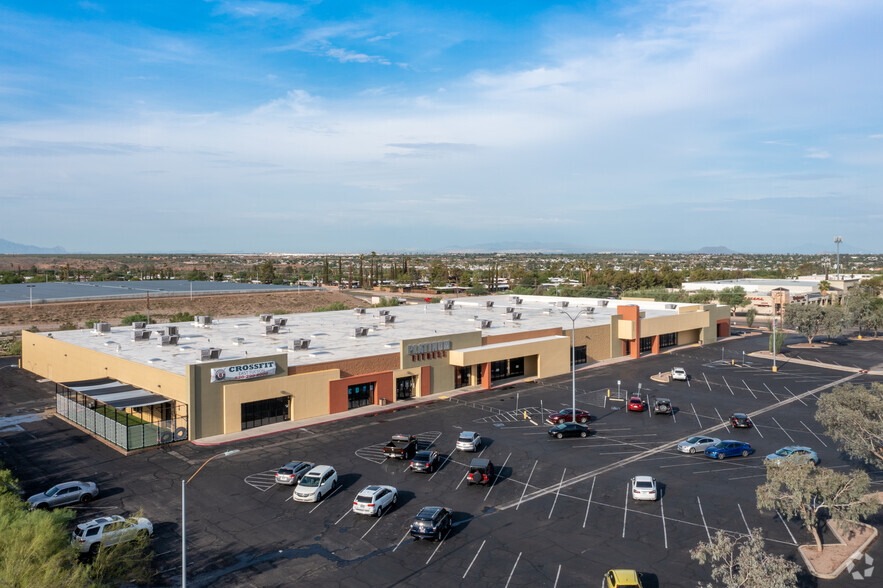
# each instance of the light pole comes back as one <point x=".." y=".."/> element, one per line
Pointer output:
<point x="775" y="339"/>
<point x="184" y="515"/>
<point x="31" y="294"/>
<point x="837" y="242"/>
<point x="573" y="353"/>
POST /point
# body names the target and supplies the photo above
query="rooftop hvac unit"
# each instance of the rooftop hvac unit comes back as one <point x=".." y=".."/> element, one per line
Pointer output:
<point x="563" y="303"/>
<point x="238" y="340"/>
<point x="360" y="332"/>
<point x="489" y="303"/>
<point x="516" y="316"/>
<point x="509" y="309"/>
<point x="485" y="324"/>
<point x="141" y="335"/>
<point x="266" y="318"/>
<point x="384" y="312"/>
<point x="671" y="306"/>
<point x="165" y="340"/>
<point x="300" y="344"/>
<point x="209" y="353"/>
<point x="280" y="322"/>
<point x="603" y="302"/>
<point x="549" y="311"/>
<point x="589" y="310"/>
<point x="271" y="329"/>
<point x="139" y="324"/>
<point x="102" y="327"/>
<point x="515" y="299"/>
<point x="202" y="321"/>
<point x="448" y="305"/>
<point x="389" y="319"/>
<point x="171" y="330"/>
<point x="359" y="310"/>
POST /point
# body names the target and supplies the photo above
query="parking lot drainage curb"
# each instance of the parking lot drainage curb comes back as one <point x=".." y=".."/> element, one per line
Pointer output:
<point x="853" y="556"/>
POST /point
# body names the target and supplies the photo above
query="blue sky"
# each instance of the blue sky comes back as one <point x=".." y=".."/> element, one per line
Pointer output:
<point x="315" y="126"/>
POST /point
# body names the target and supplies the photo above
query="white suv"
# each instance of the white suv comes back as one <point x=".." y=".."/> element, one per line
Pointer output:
<point x="679" y="373"/>
<point x="109" y="530"/>
<point x="375" y="500"/>
<point x="468" y="441"/>
<point x="316" y="483"/>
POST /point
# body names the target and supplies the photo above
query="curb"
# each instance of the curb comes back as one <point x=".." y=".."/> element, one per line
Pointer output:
<point x="856" y="555"/>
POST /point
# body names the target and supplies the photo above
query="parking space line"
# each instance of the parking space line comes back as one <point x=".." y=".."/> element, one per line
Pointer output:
<point x="325" y="499"/>
<point x="462" y="479"/>
<point x="786" y="527"/>
<point x="813" y="434"/>
<point x="664" y="532"/>
<point x="438" y="469"/>
<point x="344" y="514"/>
<point x="707" y="532"/>
<point x="589" y="503"/>
<point x="800" y="400"/>
<point x="474" y="558"/>
<point x="750" y="390"/>
<point x="783" y="429"/>
<point x="526" y="484"/>
<point x="742" y="514"/>
<point x="706" y="381"/>
<point x="722" y="420"/>
<point x="756" y="428"/>
<point x="497" y="477"/>
<point x="372" y="527"/>
<point x="558" y="575"/>
<point x="405" y="536"/>
<point x="556" y="493"/>
<point x="728" y="386"/>
<point x="696" y="414"/>
<point x="437" y="547"/>
<point x="771" y="392"/>
<point x="625" y="511"/>
<point x="513" y="569"/>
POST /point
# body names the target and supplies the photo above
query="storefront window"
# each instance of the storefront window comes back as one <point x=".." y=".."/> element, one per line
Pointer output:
<point x="360" y="395"/>
<point x="264" y="412"/>
<point x="668" y="340"/>
<point x="579" y="355"/>
<point x="404" y="388"/>
<point x="462" y="376"/>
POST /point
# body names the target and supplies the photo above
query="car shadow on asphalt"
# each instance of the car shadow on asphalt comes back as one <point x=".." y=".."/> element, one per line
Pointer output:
<point x="649" y="580"/>
<point x="347" y="481"/>
<point x="404" y="497"/>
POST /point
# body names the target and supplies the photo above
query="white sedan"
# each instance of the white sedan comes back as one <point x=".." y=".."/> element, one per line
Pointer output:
<point x="644" y="488"/>
<point x="375" y="500"/>
<point x="679" y="373"/>
<point x="696" y="444"/>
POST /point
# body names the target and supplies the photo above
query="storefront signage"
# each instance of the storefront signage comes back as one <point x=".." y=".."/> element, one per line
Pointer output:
<point x="432" y="350"/>
<point x="243" y="372"/>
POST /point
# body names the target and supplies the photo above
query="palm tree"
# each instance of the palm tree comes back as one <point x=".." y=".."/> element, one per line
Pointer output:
<point x="824" y="286"/>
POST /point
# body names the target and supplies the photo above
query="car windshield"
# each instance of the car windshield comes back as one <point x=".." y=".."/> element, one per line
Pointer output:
<point x="364" y="499"/>
<point x="465" y="437"/>
<point x="562" y="426"/>
<point x="694" y="439"/>
<point x="643" y="484"/>
<point x="421" y="456"/>
<point x="52" y="491"/>
<point x="783" y="452"/>
<point x="720" y="445"/>
<point x="310" y="481"/>
<point x="285" y="471"/>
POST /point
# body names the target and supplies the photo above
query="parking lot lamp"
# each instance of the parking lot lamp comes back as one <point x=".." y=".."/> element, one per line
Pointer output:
<point x="573" y="354"/>
<point x="184" y="515"/>
<point x="31" y="294"/>
<point x="775" y="339"/>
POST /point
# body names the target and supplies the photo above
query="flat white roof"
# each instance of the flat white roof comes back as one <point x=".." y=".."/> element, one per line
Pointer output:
<point x="331" y="334"/>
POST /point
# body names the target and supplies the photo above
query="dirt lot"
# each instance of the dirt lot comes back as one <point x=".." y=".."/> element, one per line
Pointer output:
<point x="51" y="317"/>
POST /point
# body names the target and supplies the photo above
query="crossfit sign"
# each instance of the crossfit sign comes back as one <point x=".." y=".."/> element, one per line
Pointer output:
<point x="243" y="372"/>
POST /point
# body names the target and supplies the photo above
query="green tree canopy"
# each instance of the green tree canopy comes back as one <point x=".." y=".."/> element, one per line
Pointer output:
<point x="733" y="297"/>
<point x="741" y="560"/>
<point x="806" y="319"/>
<point x="852" y="415"/>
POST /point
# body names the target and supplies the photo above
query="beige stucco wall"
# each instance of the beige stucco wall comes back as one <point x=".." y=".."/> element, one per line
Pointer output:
<point x="442" y="376"/>
<point x="308" y="393"/>
<point x="661" y="325"/>
<point x="553" y="354"/>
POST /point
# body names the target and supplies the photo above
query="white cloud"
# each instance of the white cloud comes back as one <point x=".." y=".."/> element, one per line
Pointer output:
<point x="257" y="9"/>
<point x="814" y="153"/>
<point x="382" y="37"/>
<point x="346" y="56"/>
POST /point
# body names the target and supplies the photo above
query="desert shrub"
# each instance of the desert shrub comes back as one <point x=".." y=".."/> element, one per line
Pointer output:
<point x="181" y="317"/>
<point x="67" y="326"/>
<point x="133" y="318"/>
<point x="330" y="307"/>
<point x="91" y="323"/>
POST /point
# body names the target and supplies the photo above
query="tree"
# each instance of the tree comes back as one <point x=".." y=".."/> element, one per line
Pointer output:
<point x="824" y="287"/>
<point x="814" y="494"/>
<point x="834" y="321"/>
<point x="741" y="560"/>
<point x="750" y="315"/>
<point x="806" y="319"/>
<point x="733" y="297"/>
<point x="852" y="415"/>
<point x="859" y="304"/>
<point x="777" y="341"/>
<point x="267" y="272"/>
<point x="875" y="318"/>
<point x="129" y="561"/>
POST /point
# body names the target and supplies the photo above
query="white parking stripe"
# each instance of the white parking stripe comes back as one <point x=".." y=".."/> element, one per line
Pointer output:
<point x="756" y="428"/>
<point x="437" y="547"/>
<point x="556" y="493"/>
<point x="497" y="477"/>
<point x="743" y="518"/>
<point x="405" y="536"/>
<point x="786" y="527"/>
<point x="463" y="479"/>
<point x="794" y="395"/>
<point x="625" y="510"/>
<point x="750" y="390"/>
<point x="707" y="532"/>
<point x="527" y="483"/>
<point x="722" y="420"/>
<point x="589" y="503"/>
<point x="783" y="429"/>
<point x="474" y="558"/>
<point x="513" y="569"/>
<point x="438" y="469"/>
<point x="325" y="498"/>
<point x="664" y="532"/>
<point x="558" y="575"/>
<point x="372" y="527"/>
<point x="728" y="386"/>
<point x="706" y="382"/>
<point x="696" y="414"/>
<point x="771" y="392"/>
<point x="813" y="434"/>
<point x="341" y="518"/>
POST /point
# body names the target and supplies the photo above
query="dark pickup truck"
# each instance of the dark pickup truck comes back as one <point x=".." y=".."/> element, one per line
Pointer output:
<point x="401" y="447"/>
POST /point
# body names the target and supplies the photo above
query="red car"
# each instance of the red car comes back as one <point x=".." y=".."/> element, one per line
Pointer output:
<point x="566" y="416"/>
<point x="636" y="403"/>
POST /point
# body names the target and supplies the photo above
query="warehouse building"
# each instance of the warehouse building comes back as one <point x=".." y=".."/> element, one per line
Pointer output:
<point x="146" y="385"/>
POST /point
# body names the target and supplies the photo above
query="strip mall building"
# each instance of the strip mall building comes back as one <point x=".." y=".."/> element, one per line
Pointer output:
<point x="146" y="385"/>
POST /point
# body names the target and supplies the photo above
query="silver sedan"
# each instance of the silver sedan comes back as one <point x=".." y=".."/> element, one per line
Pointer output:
<point x="697" y="444"/>
<point x="65" y="493"/>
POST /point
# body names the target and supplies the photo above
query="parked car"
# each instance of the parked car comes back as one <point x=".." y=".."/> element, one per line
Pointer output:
<point x="636" y="403"/>
<point x="724" y="449"/>
<point x="679" y="373"/>
<point x="662" y="406"/>
<point x="64" y="493"/>
<point x="796" y="453"/>
<point x="568" y="416"/>
<point x="291" y="473"/>
<point x="481" y="471"/>
<point x="401" y="447"/>
<point x="696" y="443"/>
<point x="622" y="579"/>
<point x="375" y="500"/>
<point x="424" y="461"/>
<point x="109" y="530"/>
<point x="740" y="420"/>
<point x="469" y="441"/>
<point x="569" y="430"/>
<point x="316" y="484"/>
<point x="644" y="488"/>
<point x="432" y="522"/>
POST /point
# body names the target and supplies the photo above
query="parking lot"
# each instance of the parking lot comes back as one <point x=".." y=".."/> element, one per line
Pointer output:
<point x="558" y="513"/>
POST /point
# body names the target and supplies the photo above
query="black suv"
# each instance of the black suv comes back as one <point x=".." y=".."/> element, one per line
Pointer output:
<point x="432" y="522"/>
<point x="662" y="406"/>
<point x="481" y="471"/>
